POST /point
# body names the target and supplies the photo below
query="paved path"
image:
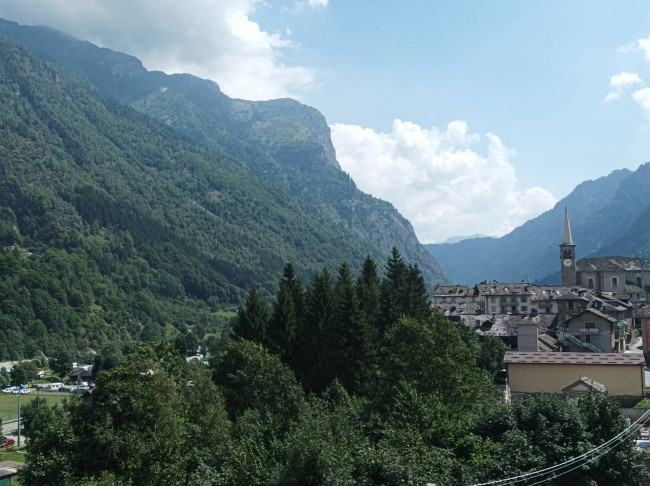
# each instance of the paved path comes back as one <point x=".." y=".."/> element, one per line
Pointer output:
<point x="9" y="430"/>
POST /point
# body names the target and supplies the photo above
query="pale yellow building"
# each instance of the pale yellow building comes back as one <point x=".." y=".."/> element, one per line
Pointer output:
<point x="622" y="375"/>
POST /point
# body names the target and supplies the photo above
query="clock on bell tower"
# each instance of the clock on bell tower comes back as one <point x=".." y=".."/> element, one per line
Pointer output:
<point x="568" y="255"/>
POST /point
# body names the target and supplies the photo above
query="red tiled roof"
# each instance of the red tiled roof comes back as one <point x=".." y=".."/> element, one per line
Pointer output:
<point x="531" y="357"/>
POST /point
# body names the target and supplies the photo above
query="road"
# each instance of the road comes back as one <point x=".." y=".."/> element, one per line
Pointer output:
<point x="8" y="430"/>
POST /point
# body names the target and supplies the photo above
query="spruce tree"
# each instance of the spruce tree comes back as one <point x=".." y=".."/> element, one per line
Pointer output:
<point x="416" y="298"/>
<point x="320" y="314"/>
<point x="283" y="325"/>
<point x="253" y="318"/>
<point x="392" y="290"/>
<point x="346" y="342"/>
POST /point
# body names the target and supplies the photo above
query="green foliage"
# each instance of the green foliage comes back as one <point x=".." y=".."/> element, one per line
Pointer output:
<point x="252" y="379"/>
<point x="253" y="318"/>
<point x="23" y="372"/>
<point x="60" y="361"/>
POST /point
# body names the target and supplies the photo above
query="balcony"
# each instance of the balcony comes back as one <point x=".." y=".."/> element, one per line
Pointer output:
<point x="588" y="330"/>
<point x="509" y="303"/>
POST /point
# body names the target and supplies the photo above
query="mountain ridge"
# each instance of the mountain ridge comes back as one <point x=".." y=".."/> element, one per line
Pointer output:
<point x="283" y="141"/>
<point x="603" y="214"/>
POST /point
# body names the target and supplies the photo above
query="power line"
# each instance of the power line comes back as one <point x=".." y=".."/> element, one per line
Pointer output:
<point x="578" y="459"/>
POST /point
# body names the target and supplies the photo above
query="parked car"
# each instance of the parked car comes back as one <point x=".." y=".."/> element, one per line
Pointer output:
<point x="8" y="442"/>
<point x="9" y="389"/>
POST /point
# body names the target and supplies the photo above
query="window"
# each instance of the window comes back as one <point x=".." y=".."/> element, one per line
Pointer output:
<point x="590" y="325"/>
<point x="493" y="299"/>
<point x="638" y="281"/>
<point x="587" y="338"/>
<point x="590" y="283"/>
<point x="614" y="281"/>
<point x="493" y="309"/>
<point x="524" y="308"/>
<point x="524" y="299"/>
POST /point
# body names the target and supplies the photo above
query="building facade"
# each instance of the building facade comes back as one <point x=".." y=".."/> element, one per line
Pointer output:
<point x="622" y="375"/>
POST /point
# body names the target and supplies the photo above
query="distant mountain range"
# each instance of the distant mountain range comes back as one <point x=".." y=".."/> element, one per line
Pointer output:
<point x="610" y="216"/>
<point x="456" y="239"/>
<point x="285" y="142"/>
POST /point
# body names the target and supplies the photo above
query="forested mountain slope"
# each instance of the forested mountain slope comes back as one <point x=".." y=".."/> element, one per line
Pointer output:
<point x="114" y="227"/>
<point x="608" y="215"/>
<point x="283" y="141"/>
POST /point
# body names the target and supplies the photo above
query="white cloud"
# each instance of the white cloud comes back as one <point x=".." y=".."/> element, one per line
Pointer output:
<point x="644" y="45"/>
<point x="620" y="82"/>
<point x="642" y="97"/>
<point x="631" y="47"/>
<point x="433" y="177"/>
<point x="214" y="39"/>
<point x="318" y="3"/>
<point x="624" y="79"/>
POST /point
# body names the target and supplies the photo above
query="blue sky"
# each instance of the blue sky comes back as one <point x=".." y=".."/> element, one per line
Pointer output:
<point x="469" y="116"/>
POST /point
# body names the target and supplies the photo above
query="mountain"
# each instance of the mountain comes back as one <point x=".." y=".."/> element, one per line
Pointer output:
<point x="456" y="239"/>
<point x="115" y="228"/>
<point x="283" y="141"/>
<point x="609" y="216"/>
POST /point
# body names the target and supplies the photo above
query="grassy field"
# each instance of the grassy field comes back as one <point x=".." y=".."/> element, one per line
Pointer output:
<point x="9" y="402"/>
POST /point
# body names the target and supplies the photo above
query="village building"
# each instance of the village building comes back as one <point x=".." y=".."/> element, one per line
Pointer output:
<point x="592" y="311"/>
<point x="621" y="375"/>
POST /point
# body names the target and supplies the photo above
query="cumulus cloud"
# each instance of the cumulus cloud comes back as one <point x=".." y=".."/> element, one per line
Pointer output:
<point x="214" y="39"/>
<point x="438" y="179"/>
<point x="644" y="45"/>
<point x="618" y="83"/>
<point x="642" y="97"/>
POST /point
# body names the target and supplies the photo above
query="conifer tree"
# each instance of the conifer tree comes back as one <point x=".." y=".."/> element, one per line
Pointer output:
<point x="320" y="314"/>
<point x="283" y="325"/>
<point x="392" y="290"/>
<point x="416" y="299"/>
<point x="368" y="290"/>
<point x="346" y="342"/>
<point x="253" y="318"/>
<point x="294" y="285"/>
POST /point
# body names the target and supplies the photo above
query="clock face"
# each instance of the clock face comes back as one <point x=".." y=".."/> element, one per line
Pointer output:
<point x="567" y="262"/>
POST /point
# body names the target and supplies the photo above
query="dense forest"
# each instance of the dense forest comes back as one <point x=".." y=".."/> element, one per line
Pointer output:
<point x="116" y="229"/>
<point x="345" y="381"/>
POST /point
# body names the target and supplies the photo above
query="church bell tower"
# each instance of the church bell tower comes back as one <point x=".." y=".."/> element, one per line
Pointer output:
<point x="568" y="255"/>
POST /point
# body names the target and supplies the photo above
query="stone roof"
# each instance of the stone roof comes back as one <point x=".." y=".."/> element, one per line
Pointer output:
<point x="594" y="312"/>
<point x="9" y="469"/>
<point x="610" y="264"/>
<point x="588" y="382"/>
<point x="535" y="292"/>
<point x="617" y="359"/>
<point x="641" y="311"/>
<point x="506" y="324"/>
<point x="452" y="290"/>
<point x="571" y="296"/>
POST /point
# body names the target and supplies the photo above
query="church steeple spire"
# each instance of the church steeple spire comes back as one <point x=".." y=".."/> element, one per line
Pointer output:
<point x="566" y="235"/>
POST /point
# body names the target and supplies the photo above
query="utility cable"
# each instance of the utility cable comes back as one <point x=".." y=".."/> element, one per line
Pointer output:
<point x="551" y="469"/>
